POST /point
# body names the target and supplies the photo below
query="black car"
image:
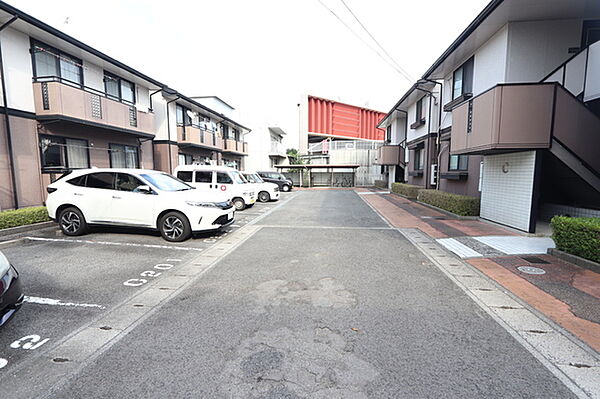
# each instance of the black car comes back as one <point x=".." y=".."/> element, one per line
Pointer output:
<point x="283" y="182"/>
<point x="11" y="296"/>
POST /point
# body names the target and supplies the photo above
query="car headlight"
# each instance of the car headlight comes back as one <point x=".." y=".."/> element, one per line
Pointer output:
<point x="202" y="204"/>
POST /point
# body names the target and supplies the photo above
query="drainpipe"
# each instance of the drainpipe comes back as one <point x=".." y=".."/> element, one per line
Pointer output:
<point x="427" y="171"/>
<point x="439" y="131"/>
<point x="169" y="133"/>
<point x="11" y="158"/>
<point x="151" y="94"/>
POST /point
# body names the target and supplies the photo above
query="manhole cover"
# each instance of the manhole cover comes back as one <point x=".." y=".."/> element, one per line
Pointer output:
<point x="534" y="259"/>
<point x="531" y="270"/>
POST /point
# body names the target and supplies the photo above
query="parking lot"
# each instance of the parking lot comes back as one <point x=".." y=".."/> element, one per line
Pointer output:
<point x="71" y="281"/>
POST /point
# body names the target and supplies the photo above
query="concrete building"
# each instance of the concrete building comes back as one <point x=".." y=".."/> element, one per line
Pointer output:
<point x="66" y="106"/>
<point x="520" y="90"/>
<point x="268" y="149"/>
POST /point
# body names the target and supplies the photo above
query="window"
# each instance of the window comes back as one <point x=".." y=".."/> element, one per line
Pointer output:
<point x="103" y="180"/>
<point x="185" y="159"/>
<point x="458" y="162"/>
<point x="51" y="62"/>
<point x="225" y="130"/>
<point x="119" y="89"/>
<point x="78" y="181"/>
<point x="236" y="134"/>
<point x="182" y="116"/>
<point x="462" y="81"/>
<point x="420" y="112"/>
<point x="388" y="134"/>
<point x="419" y="156"/>
<point x="203" y="176"/>
<point x="123" y="156"/>
<point x="166" y="182"/>
<point x="223" y="178"/>
<point x="60" y="153"/>
<point x="127" y="182"/>
<point x="185" y="176"/>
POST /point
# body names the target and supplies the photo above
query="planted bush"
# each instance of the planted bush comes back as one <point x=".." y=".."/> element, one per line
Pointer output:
<point x="462" y="205"/>
<point x="381" y="183"/>
<point x="406" y="190"/>
<point x="22" y="217"/>
<point x="577" y="236"/>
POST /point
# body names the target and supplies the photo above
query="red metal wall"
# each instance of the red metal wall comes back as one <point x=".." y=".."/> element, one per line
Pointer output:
<point x="330" y="117"/>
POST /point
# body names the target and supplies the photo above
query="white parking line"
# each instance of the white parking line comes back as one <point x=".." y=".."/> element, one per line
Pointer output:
<point x="120" y="244"/>
<point x="58" y="302"/>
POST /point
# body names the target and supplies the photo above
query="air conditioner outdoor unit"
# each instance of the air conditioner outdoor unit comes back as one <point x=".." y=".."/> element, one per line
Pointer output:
<point x="434" y="172"/>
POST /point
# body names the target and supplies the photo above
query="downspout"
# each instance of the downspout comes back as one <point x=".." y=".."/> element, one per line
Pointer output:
<point x="169" y="134"/>
<point x="151" y="94"/>
<point x="11" y="158"/>
<point x="428" y="170"/>
<point x="439" y="131"/>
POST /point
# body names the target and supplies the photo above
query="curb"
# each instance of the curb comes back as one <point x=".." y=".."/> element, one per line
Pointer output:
<point x="576" y="260"/>
<point x="10" y="243"/>
<point x="26" y="228"/>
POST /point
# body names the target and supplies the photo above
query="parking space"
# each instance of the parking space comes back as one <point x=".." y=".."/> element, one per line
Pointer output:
<point x="71" y="281"/>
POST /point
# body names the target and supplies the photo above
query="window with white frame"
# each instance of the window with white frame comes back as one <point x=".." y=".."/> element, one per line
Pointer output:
<point x="49" y="62"/>
<point x="462" y="79"/>
<point x="118" y="88"/>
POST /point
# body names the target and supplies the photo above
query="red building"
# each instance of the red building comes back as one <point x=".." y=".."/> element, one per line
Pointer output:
<point x="322" y="118"/>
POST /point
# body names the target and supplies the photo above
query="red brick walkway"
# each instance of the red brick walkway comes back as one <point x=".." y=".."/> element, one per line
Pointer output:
<point x="577" y="310"/>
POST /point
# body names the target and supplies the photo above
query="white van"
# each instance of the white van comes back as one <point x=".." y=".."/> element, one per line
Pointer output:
<point x="228" y="181"/>
<point x="266" y="191"/>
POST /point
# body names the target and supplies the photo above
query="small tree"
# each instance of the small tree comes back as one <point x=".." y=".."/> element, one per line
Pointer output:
<point x="293" y="156"/>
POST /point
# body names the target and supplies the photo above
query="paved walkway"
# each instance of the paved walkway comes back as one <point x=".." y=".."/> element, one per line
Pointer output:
<point x="565" y="293"/>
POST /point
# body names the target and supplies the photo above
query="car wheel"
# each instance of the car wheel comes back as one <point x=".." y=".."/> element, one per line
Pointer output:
<point x="264" y="196"/>
<point x="239" y="204"/>
<point x="72" y="222"/>
<point x="174" y="227"/>
<point x="285" y="188"/>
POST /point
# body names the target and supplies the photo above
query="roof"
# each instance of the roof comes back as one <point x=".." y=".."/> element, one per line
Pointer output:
<point x="408" y="98"/>
<point x="277" y="130"/>
<point x="207" y="109"/>
<point x="217" y="97"/>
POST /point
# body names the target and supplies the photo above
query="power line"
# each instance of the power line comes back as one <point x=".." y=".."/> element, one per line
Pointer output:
<point x="406" y="74"/>
<point x="365" y="42"/>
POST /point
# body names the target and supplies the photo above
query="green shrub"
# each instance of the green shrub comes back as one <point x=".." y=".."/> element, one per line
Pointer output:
<point x="23" y="216"/>
<point x="577" y="236"/>
<point x="406" y="190"/>
<point x="381" y="183"/>
<point x="462" y="205"/>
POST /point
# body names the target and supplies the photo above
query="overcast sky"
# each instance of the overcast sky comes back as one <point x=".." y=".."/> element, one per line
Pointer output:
<point x="262" y="55"/>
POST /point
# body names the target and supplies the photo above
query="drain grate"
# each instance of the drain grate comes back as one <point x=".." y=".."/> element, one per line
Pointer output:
<point x="535" y="259"/>
<point x="531" y="270"/>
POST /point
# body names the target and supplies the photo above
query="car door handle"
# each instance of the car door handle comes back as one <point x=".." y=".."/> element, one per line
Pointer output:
<point x="78" y="194"/>
<point x="115" y="197"/>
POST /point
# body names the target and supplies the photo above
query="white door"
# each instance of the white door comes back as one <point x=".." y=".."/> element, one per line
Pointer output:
<point x="94" y="199"/>
<point x="224" y="183"/>
<point x="129" y="205"/>
<point x="204" y="180"/>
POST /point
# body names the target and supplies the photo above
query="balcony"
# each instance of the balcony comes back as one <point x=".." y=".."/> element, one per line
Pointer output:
<point x="277" y="150"/>
<point x="236" y="147"/>
<point x="57" y="100"/>
<point x="194" y="136"/>
<point x="390" y="155"/>
<point x="506" y="118"/>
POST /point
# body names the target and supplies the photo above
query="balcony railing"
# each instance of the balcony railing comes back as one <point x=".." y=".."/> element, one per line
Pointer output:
<point x="390" y="155"/>
<point x="196" y="136"/>
<point x="277" y="149"/>
<point x="57" y="99"/>
<point x="235" y="146"/>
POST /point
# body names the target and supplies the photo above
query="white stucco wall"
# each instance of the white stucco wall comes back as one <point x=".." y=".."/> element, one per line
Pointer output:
<point x="490" y="62"/>
<point x="18" y="70"/>
<point x="93" y="76"/>
<point x="537" y="47"/>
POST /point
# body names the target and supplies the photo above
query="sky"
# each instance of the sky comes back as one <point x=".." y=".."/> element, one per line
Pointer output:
<point x="262" y="56"/>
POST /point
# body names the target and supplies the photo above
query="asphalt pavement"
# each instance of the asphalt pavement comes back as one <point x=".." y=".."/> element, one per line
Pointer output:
<point x="323" y="300"/>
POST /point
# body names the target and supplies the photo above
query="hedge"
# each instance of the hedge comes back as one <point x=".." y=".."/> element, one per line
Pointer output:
<point x="459" y="204"/>
<point x="23" y="216"/>
<point x="577" y="236"/>
<point x="406" y="190"/>
<point x="380" y="183"/>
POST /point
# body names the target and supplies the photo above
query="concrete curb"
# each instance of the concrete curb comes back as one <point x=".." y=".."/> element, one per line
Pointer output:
<point x="576" y="260"/>
<point x="25" y="229"/>
<point x="10" y="243"/>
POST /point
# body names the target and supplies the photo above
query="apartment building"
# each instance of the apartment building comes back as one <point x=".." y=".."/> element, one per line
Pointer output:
<point x="66" y="106"/>
<point x="519" y="118"/>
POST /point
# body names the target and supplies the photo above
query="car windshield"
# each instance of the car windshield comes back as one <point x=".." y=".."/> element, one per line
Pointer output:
<point x="238" y="178"/>
<point x="165" y="182"/>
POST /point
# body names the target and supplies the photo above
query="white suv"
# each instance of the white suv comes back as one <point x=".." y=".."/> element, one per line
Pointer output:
<point x="134" y="197"/>
<point x="266" y="191"/>
<point x="215" y="179"/>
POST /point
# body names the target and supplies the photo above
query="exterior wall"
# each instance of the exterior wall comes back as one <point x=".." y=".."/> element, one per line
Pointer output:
<point x="18" y="69"/>
<point x="507" y="191"/>
<point x="336" y="119"/>
<point x="537" y="47"/>
<point x="467" y="186"/>
<point x="93" y="76"/>
<point x="161" y="156"/>
<point x="490" y="62"/>
<point x="429" y="158"/>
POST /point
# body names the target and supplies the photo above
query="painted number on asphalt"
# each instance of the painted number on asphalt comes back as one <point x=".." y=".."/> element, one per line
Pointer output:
<point x="3" y="362"/>
<point x="29" y="342"/>
<point x="137" y="282"/>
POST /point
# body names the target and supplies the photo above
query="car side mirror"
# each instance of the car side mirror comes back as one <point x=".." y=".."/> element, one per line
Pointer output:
<point x="144" y="189"/>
